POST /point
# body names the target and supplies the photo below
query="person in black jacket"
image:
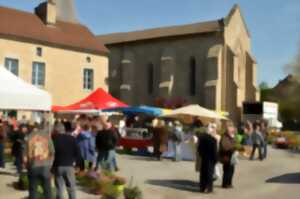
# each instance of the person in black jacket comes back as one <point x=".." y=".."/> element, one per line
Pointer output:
<point x="18" y="146"/>
<point x="106" y="142"/>
<point x="2" y="145"/>
<point x="207" y="149"/>
<point x="66" y="154"/>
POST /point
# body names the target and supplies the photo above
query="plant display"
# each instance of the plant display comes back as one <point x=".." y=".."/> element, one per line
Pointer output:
<point x="285" y="139"/>
<point x="106" y="184"/>
<point x="238" y="142"/>
<point x="132" y="192"/>
<point x="89" y="182"/>
<point x="23" y="184"/>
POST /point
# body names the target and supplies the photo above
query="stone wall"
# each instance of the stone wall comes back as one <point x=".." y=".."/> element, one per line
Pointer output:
<point x="225" y="74"/>
<point x="171" y="58"/>
<point x="64" y="68"/>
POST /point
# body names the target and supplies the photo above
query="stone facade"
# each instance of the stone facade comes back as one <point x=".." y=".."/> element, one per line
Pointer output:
<point x="63" y="68"/>
<point x="208" y="64"/>
<point x="64" y="48"/>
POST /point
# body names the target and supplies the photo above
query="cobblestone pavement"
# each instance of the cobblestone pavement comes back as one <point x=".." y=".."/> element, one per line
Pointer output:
<point x="276" y="178"/>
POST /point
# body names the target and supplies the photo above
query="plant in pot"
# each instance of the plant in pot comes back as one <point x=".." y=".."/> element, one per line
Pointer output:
<point x="132" y="192"/>
<point x="119" y="184"/>
<point x="109" y="190"/>
<point x="111" y="185"/>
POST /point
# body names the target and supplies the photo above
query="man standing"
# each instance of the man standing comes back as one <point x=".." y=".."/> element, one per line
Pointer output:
<point x="160" y="138"/>
<point x="207" y="150"/>
<point x="106" y="141"/>
<point x="257" y="141"/>
<point x="39" y="153"/>
<point x="66" y="155"/>
<point x="265" y="134"/>
<point x="18" y="147"/>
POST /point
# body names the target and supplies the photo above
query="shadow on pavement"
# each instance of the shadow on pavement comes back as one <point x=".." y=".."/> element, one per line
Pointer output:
<point x="5" y="173"/>
<point x="184" y="185"/>
<point x="290" y="178"/>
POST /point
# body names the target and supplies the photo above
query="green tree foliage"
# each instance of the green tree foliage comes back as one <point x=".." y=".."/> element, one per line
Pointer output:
<point x="264" y="86"/>
<point x="287" y="95"/>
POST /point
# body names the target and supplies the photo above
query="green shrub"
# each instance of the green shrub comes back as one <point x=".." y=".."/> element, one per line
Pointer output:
<point x="23" y="184"/>
<point x="133" y="193"/>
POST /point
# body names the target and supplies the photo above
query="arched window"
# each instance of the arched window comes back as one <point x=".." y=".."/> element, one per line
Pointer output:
<point x="192" y="76"/>
<point x="150" y="76"/>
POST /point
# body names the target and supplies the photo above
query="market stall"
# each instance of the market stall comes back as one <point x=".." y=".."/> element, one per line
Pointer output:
<point x="187" y="114"/>
<point x="134" y="137"/>
<point x="95" y="102"/>
<point x="148" y="110"/>
<point x="16" y="94"/>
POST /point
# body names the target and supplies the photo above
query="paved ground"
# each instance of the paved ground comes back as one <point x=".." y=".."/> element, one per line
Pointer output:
<point x="276" y="178"/>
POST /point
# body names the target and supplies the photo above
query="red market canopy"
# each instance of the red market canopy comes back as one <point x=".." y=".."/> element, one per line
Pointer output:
<point x="98" y="100"/>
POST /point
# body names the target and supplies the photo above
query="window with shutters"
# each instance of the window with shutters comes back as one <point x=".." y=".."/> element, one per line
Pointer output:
<point x="12" y="65"/>
<point x="38" y="74"/>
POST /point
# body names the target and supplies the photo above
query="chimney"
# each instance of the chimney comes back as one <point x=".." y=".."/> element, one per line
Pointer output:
<point x="46" y="11"/>
<point x="66" y="11"/>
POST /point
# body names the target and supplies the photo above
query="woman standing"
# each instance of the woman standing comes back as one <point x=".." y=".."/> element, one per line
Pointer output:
<point x="84" y="141"/>
<point x="227" y="155"/>
<point x="177" y="138"/>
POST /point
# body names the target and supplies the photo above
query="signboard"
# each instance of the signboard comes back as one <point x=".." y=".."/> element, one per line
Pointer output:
<point x="270" y="110"/>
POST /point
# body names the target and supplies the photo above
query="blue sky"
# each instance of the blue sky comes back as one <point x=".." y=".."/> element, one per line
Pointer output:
<point x="274" y="24"/>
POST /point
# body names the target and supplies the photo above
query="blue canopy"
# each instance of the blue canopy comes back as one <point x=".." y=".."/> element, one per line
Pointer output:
<point x="149" y="110"/>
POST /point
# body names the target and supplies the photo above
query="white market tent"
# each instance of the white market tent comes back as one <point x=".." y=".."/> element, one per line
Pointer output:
<point x="16" y="94"/>
<point x="194" y="110"/>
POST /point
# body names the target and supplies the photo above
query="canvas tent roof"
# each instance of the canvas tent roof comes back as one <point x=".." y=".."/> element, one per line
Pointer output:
<point x="16" y="94"/>
<point x="195" y="110"/>
<point x="148" y="110"/>
<point x="97" y="100"/>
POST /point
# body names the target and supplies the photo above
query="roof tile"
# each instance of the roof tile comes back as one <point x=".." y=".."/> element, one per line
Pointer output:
<point x="27" y="26"/>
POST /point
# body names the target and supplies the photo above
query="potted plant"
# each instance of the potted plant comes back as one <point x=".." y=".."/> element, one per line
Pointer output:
<point x="119" y="184"/>
<point x="23" y="183"/>
<point x="111" y="185"/>
<point x="132" y="192"/>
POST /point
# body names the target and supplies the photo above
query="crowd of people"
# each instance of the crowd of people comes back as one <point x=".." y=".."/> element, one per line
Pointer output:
<point x="89" y="144"/>
<point x="86" y="143"/>
<point x="213" y="149"/>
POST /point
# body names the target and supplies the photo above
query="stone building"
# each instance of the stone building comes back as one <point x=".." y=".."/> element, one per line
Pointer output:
<point x="51" y="50"/>
<point x="208" y="63"/>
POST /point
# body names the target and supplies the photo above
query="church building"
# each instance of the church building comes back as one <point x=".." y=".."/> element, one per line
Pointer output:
<point x="208" y="63"/>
